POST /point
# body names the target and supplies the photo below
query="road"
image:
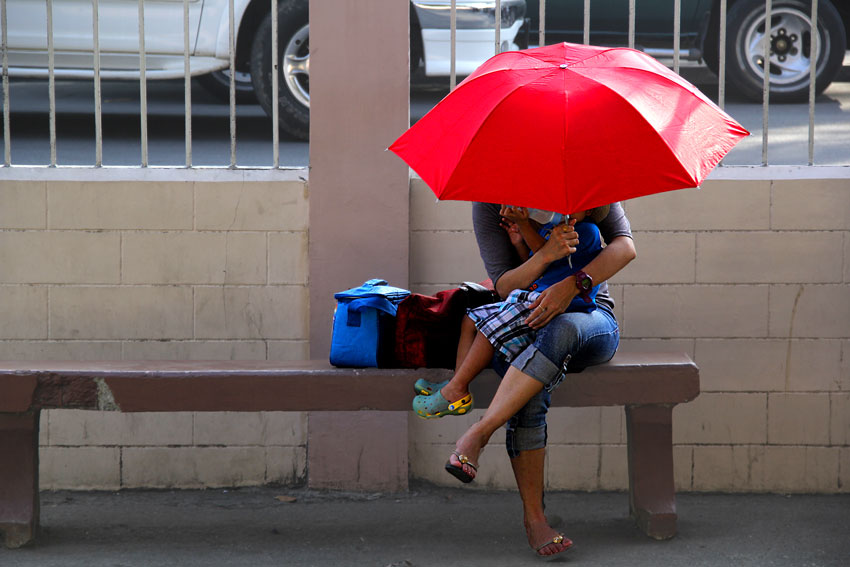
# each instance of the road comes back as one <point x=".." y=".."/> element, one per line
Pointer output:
<point x="787" y="127"/>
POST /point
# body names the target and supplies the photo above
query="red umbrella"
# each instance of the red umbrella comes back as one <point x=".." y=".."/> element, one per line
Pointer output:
<point x="568" y="127"/>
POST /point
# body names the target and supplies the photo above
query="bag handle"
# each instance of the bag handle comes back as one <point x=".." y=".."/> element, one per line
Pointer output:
<point x="378" y="302"/>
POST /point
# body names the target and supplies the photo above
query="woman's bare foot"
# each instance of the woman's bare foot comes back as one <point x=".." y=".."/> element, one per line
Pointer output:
<point x="469" y="446"/>
<point x="544" y="539"/>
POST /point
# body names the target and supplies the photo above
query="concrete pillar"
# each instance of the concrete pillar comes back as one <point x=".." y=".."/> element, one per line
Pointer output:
<point x="359" y="203"/>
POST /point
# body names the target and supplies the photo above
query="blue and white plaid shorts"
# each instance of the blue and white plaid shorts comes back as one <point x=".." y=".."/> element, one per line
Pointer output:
<point x="504" y="325"/>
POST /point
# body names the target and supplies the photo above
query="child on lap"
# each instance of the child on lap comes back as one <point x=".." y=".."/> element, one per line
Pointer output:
<point x="501" y="327"/>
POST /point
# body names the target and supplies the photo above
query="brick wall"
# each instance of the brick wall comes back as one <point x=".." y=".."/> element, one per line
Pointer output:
<point x="158" y="270"/>
<point x="752" y="280"/>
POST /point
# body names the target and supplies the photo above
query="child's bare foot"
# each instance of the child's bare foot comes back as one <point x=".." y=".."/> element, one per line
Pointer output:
<point x="453" y="393"/>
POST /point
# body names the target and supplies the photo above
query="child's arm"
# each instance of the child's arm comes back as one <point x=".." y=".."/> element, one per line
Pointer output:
<point x="519" y="215"/>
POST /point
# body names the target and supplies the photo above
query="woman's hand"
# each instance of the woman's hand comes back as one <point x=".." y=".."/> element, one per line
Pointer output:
<point x="552" y="302"/>
<point x="562" y="242"/>
<point x="517" y="215"/>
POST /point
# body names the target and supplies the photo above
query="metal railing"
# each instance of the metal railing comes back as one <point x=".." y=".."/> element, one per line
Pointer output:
<point x="143" y="114"/>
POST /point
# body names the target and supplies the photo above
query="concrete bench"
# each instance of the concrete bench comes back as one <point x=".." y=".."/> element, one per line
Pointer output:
<point x="647" y="385"/>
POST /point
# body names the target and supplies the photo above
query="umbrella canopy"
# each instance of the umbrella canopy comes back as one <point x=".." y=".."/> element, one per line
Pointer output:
<point x="568" y="127"/>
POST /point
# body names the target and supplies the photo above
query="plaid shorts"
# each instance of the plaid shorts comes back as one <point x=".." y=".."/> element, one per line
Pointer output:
<point x="504" y="325"/>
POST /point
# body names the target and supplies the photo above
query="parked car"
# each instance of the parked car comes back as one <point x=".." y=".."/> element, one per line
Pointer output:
<point x="209" y="40"/>
<point x="790" y="37"/>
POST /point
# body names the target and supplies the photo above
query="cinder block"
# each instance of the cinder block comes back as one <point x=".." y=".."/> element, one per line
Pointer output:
<point x="60" y="350"/>
<point x="268" y="312"/>
<point x="672" y="311"/>
<point x="729" y="468"/>
<point x="120" y="205"/>
<point x="23" y="309"/>
<point x="846" y="258"/>
<point x="288" y="428"/>
<point x="801" y="469"/>
<point x="60" y="257"/>
<point x="447" y="258"/>
<point x="111" y="428"/>
<point x="193" y="467"/>
<point x="194" y="350"/>
<point x="228" y="428"/>
<point x="683" y="467"/>
<point x="288" y="350"/>
<point x="23" y="204"/>
<point x="351" y="450"/>
<point x="427" y="213"/>
<point x="721" y="419"/>
<point x="288" y="259"/>
<point x="572" y="467"/>
<point x="769" y="257"/>
<point x="839" y="412"/>
<point x="798" y="419"/>
<point x="629" y="345"/>
<point x="768" y="364"/>
<point x="665" y="257"/>
<point x="157" y="312"/>
<point x="811" y="204"/>
<point x="573" y="426"/>
<point x="251" y="205"/>
<point x="79" y="468"/>
<point x="286" y="465"/>
<point x="705" y="209"/>
<point x="613" y="425"/>
<point x="194" y="258"/>
<point x="810" y="311"/>
<point x="844" y="377"/>
<point x="43" y="427"/>
<point x="447" y="431"/>
<point x="614" y="467"/>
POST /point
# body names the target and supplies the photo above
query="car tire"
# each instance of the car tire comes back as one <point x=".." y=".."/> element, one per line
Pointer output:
<point x="217" y="84"/>
<point x="790" y="57"/>
<point x="293" y="62"/>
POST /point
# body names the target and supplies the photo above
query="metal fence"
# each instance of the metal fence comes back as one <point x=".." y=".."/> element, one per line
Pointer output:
<point x="142" y="78"/>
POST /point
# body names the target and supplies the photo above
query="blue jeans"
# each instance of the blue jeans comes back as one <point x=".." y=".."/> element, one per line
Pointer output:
<point x="571" y="341"/>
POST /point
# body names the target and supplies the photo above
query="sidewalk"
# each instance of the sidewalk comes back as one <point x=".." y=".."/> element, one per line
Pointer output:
<point x="428" y="526"/>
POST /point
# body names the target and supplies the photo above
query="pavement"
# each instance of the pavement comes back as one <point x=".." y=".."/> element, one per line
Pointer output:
<point x="427" y="526"/>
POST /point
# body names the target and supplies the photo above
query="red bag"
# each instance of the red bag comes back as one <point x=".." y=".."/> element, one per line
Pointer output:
<point x="428" y="327"/>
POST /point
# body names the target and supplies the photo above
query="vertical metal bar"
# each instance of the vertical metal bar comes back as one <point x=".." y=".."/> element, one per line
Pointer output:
<point x="677" y="32"/>
<point x="7" y="131"/>
<point x="768" y="16"/>
<point x="721" y="47"/>
<point x="143" y="85"/>
<point x="51" y="83"/>
<point x="632" y="24"/>
<point x="98" y="114"/>
<point x="275" y="91"/>
<point x="187" y="85"/>
<point x="813" y="58"/>
<point x="587" y="22"/>
<point x="453" y="46"/>
<point x="231" y="17"/>
<point x="541" y="31"/>
<point x="498" y="17"/>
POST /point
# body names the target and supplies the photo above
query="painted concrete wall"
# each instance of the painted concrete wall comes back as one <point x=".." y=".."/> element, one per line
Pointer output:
<point x="751" y="278"/>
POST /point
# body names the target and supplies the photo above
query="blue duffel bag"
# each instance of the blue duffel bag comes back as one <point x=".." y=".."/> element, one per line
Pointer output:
<point x="364" y="325"/>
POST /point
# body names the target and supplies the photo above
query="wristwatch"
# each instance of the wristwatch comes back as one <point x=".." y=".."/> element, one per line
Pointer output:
<point x="584" y="283"/>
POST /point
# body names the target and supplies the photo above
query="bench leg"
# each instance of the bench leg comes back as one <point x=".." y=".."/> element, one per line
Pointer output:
<point x="19" y="477"/>
<point x="652" y="493"/>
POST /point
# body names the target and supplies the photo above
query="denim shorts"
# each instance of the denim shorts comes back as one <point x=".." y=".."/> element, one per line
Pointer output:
<point x="570" y="342"/>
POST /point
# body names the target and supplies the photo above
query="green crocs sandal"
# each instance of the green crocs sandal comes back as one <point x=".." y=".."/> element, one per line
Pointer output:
<point x="435" y="405"/>
<point x="423" y="387"/>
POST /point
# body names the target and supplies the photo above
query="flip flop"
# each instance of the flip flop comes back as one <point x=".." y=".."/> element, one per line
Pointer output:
<point x="435" y="405"/>
<point x="560" y="538"/>
<point x="423" y="387"/>
<point x="461" y="474"/>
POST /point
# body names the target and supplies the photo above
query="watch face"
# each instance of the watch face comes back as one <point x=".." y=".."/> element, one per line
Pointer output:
<point x="586" y="283"/>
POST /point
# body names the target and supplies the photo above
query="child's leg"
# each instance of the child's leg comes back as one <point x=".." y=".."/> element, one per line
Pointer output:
<point x="478" y="357"/>
<point x="467" y="336"/>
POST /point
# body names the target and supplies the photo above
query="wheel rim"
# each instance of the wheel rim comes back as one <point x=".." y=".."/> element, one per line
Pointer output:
<point x="243" y="80"/>
<point x="790" y="46"/>
<point x="295" y="67"/>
